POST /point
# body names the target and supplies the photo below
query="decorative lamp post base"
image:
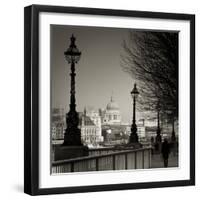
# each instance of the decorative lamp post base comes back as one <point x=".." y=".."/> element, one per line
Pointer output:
<point x="133" y="142"/>
<point x="72" y="137"/>
<point x="133" y="138"/>
<point x="72" y="146"/>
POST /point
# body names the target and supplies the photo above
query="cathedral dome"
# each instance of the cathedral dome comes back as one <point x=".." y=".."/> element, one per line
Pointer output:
<point x="112" y="105"/>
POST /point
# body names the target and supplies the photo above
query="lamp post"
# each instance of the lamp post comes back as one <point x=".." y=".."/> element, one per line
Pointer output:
<point x="158" y="135"/>
<point x="171" y="114"/>
<point x="72" y="135"/>
<point x="173" y="137"/>
<point x="134" y="137"/>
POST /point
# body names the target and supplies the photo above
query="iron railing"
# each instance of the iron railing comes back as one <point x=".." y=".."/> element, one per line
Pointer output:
<point x="106" y="159"/>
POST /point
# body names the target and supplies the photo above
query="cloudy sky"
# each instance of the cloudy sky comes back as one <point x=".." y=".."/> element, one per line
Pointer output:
<point x="99" y="74"/>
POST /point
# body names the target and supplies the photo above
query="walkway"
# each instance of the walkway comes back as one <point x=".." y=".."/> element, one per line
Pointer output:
<point x="157" y="161"/>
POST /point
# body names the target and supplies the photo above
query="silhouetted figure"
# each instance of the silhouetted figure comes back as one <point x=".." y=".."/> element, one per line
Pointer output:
<point x="165" y="152"/>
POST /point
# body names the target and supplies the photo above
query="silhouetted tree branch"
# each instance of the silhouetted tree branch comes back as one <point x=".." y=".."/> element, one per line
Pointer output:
<point x="151" y="58"/>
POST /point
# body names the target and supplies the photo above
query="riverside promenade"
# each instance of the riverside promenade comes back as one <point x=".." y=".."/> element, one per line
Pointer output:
<point x="157" y="161"/>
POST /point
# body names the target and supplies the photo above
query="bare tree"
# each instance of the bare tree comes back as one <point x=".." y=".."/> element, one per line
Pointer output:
<point x="151" y="58"/>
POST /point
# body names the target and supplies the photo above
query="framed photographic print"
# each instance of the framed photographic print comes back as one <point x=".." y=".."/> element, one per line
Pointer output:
<point x="109" y="100"/>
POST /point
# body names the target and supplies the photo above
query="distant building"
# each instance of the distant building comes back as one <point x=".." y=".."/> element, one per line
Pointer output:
<point x="57" y="129"/>
<point x="151" y="132"/>
<point x="58" y="115"/>
<point x="57" y="123"/>
<point x="151" y="125"/>
<point x="115" y="134"/>
<point x="90" y="128"/>
<point x="96" y="118"/>
<point x="89" y="123"/>
<point x="141" y="129"/>
<point x="111" y="115"/>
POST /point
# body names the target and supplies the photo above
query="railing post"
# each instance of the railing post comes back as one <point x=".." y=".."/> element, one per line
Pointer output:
<point x="143" y="159"/>
<point x="113" y="162"/>
<point x="149" y="158"/>
<point x="72" y="167"/>
<point x="126" y="161"/>
<point x="97" y="164"/>
<point x="135" y="159"/>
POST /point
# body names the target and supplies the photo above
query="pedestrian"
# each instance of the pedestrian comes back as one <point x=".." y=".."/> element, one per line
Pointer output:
<point x="165" y="152"/>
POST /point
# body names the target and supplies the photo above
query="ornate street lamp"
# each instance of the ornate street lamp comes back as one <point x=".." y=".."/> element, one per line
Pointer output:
<point x="134" y="137"/>
<point x="158" y="132"/>
<point x="72" y="133"/>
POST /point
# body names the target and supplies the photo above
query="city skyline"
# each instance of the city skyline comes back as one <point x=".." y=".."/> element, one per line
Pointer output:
<point x="98" y="73"/>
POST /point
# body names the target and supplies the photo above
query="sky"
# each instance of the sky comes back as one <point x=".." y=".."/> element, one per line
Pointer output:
<point x="98" y="73"/>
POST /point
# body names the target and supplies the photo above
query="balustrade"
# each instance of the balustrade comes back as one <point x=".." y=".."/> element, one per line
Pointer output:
<point x="106" y="159"/>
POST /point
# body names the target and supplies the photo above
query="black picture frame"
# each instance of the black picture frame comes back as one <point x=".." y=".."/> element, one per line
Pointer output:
<point x="31" y="98"/>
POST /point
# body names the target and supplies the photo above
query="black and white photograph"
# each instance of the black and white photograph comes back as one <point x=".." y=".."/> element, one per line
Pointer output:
<point x="114" y="99"/>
